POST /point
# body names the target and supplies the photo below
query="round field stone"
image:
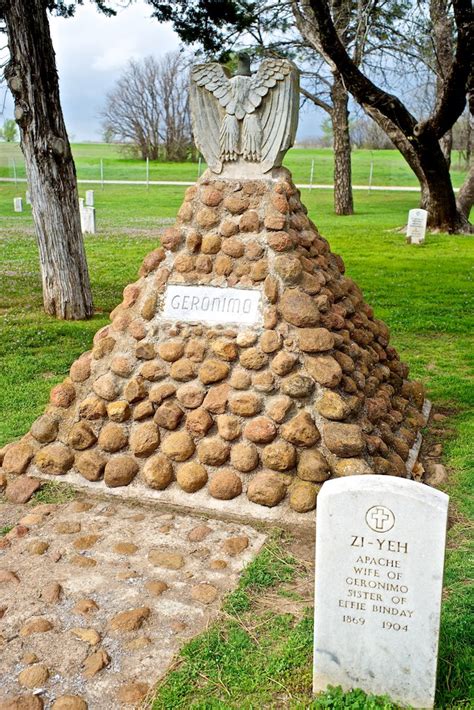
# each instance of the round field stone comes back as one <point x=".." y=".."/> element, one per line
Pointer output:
<point x="191" y="477"/>
<point x="158" y="472"/>
<point x="178" y="446"/>
<point x="244" y="457"/>
<point x="55" y="459"/>
<point x="120" y="471"/>
<point x="266" y="489"/>
<point x="225" y="485"/>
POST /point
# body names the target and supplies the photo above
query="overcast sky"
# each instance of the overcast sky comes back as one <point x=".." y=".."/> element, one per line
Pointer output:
<point x="91" y="52"/>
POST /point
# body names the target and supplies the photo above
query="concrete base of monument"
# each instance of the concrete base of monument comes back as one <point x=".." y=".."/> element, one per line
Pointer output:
<point x="239" y="510"/>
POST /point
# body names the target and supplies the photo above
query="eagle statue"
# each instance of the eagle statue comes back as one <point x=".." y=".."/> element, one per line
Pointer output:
<point x="249" y="117"/>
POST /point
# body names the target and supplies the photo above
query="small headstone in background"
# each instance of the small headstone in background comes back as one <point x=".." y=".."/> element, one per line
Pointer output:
<point x="379" y="570"/>
<point x="17" y="204"/>
<point x="90" y="198"/>
<point x="88" y="220"/>
<point x="87" y="217"/>
<point x="416" y="229"/>
<point x="28" y="198"/>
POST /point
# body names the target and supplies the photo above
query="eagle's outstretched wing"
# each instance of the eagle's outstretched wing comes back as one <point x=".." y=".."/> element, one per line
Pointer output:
<point x="279" y="78"/>
<point x="210" y="94"/>
<point x="270" y="72"/>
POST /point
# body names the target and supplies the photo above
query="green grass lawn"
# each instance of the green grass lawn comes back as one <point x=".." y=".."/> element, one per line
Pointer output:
<point x="255" y="658"/>
<point x="389" y="167"/>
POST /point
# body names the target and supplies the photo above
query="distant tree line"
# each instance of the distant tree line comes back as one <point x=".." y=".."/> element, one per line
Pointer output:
<point x="148" y="109"/>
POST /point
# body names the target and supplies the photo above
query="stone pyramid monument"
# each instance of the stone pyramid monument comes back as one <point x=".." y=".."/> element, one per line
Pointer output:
<point x="243" y="368"/>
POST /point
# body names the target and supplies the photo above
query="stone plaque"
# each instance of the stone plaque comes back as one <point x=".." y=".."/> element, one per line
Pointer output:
<point x="379" y="569"/>
<point x="416" y="229"/>
<point x="17" y="204"/>
<point x="90" y="198"/>
<point x="210" y="304"/>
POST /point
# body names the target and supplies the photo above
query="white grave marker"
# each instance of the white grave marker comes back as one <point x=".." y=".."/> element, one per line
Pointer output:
<point x="211" y="304"/>
<point x="89" y="198"/>
<point x="28" y="198"/>
<point x="87" y="217"/>
<point x="379" y="569"/>
<point x="416" y="229"/>
<point x="17" y="204"/>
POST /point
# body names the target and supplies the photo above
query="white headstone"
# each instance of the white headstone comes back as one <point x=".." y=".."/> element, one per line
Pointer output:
<point x="87" y="217"/>
<point x="17" y="204"/>
<point x="211" y="304"/>
<point x="416" y="229"/>
<point x="90" y="198"/>
<point x="88" y="220"/>
<point x="28" y="198"/>
<point x="379" y="569"/>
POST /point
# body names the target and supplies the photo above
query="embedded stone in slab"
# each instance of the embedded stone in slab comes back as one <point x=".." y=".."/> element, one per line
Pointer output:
<point x="92" y="408"/>
<point x="245" y="404"/>
<point x="260" y="430"/>
<point x="225" y="485"/>
<point x="301" y="430"/>
<point x="129" y="620"/>
<point x="113" y="437"/>
<point x="312" y="340"/>
<point x="355" y="467"/>
<point x="34" y="676"/>
<point x="17" y="458"/>
<point x="178" y="446"/>
<point x="90" y="465"/>
<point x="63" y="395"/>
<point x="191" y="477"/>
<point x="191" y="395"/>
<point x="213" y="451"/>
<point x="228" y="426"/>
<point x="278" y="407"/>
<point x="44" y="429"/>
<point x="280" y="456"/>
<point x="168" y="415"/>
<point x="404" y="522"/>
<point x="144" y="439"/>
<point x="198" y="422"/>
<point x="343" y="439"/>
<point x="69" y="702"/>
<point x="81" y="436"/>
<point x="55" y="459"/>
<point x="324" y="369"/>
<point x="158" y="472"/>
<point x="333" y="406"/>
<point x="298" y="308"/>
<point x="284" y="362"/>
<point x="266" y="489"/>
<point x="118" y="411"/>
<point x="244" y="457"/>
<point x="37" y="625"/>
<point x="303" y="496"/>
<point x="312" y="466"/>
<point x="120" y="471"/>
<point x="213" y="371"/>
<point x="169" y="560"/>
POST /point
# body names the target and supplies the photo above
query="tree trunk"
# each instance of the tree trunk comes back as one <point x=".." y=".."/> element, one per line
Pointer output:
<point x="406" y="149"/>
<point x="466" y="194"/>
<point x="443" y="45"/>
<point x="33" y="80"/>
<point x="343" y="200"/>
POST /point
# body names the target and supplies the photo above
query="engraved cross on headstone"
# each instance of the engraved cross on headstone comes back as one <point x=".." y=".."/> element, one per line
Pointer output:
<point x="378" y="517"/>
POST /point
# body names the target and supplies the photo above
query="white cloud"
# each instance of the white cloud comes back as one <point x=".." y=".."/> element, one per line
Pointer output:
<point x="91" y="52"/>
